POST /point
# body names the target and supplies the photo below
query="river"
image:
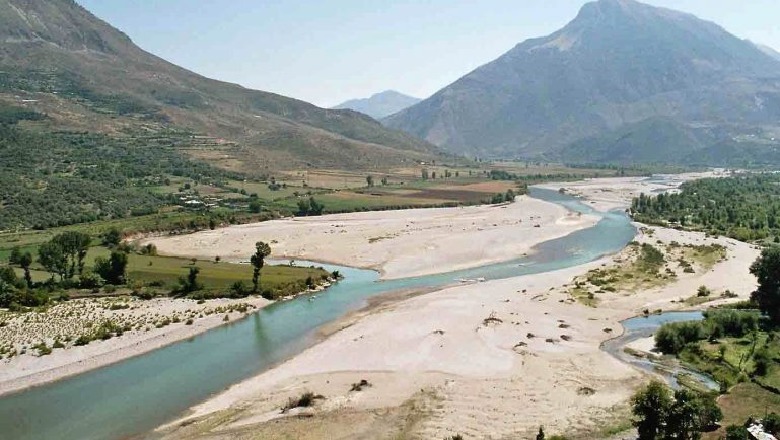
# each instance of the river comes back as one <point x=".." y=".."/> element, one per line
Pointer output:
<point x="132" y="397"/>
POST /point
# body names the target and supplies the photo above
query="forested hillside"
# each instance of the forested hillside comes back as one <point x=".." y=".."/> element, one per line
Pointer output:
<point x="59" y="178"/>
<point x="59" y="59"/>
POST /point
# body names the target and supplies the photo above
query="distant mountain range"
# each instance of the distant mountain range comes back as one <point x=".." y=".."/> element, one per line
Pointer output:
<point x="57" y="58"/>
<point x="622" y="82"/>
<point x="380" y="104"/>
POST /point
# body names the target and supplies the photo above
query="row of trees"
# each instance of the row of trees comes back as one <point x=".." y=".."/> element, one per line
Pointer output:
<point x="64" y="256"/>
<point x="671" y="338"/>
<point x="508" y="196"/>
<point x="310" y="207"/>
<point x="745" y="207"/>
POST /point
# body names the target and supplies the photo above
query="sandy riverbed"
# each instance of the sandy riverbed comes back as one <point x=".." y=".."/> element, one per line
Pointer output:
<point x="399" y="244"/>
<point x="66" y="321"/>
<point x="489" y="360"/>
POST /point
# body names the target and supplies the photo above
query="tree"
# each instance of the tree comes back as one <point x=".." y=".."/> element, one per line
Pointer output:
<point x="111" y="238"/>
<point x="8" y="275"/>
<point x="384" y="181"/>
<point x="540" y="435"/>
<point x="15" y="255"/>
<point x="7" y="296"/>
<point x="710" y="413"/>
<point x="25" y="261"/>
<point x="303" y="207"/>
<point x="75" y="245"/>
<point x="113" y="269"/>
<point x="761" y="361"/>
<point x="262" y="250"/>
<point x="190" y="283"/>
<point x="510" y="196"/>
<point x="650" y="406"/>
<point x="255" y="206"/>
<point x="772" y="423"/>
<point x="767" y="270"/>
<point x="52" y="257"/>
<point x="314" y="207"/>
<point x="64" y="254"/>
<point x="370" y="181"/>
<point x="737" y="432"/>
<point x="683" y="421"/>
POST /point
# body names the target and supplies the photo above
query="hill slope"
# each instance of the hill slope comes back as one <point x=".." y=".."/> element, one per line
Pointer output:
<point x="618" y="63"/>
<point x="380" y="104"/>
<point x="57" y="58"/>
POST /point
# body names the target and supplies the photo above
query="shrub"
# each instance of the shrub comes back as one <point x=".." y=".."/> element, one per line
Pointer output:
<point x="239" y="290"/>
<point x="729" y="322"/>
<point x="358" y="386"/>
<point x="82" y="340"/>
<point x="671" y="338"/>
<point x="304" y="401"/>
<point x="43" y="349"/>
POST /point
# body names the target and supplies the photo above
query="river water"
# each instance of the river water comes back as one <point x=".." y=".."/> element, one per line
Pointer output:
<point x="641" y="327"/>
<point x="132" y="397"/>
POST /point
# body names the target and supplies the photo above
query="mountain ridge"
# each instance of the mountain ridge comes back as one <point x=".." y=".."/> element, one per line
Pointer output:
<point x="617" y="62"/>
<point x="380" y="105"/>
<point x="63" y="61"/>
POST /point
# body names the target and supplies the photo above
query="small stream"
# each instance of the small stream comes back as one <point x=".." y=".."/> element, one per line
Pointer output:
<point x="641" y="327"/>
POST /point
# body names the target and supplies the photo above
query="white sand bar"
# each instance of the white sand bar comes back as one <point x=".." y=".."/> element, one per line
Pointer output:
<point x="399" y="244"/>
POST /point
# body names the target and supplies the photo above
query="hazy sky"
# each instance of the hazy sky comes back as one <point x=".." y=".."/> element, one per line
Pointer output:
<point x="326" y="52"/>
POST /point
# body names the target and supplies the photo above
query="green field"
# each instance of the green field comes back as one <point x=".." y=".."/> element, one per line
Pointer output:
<point x="164" y="272"/>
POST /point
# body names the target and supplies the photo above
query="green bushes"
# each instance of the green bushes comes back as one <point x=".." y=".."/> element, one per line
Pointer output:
<point x="728" y="322"/>
<point x="671" y="338"/>
<point x="661" y="415"/>
<point x="650" y="258"/>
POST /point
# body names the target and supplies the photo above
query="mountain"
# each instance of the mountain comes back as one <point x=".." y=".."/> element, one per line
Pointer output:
<point x="620" y="68"/>
<point x="59" y="59"/>
<point x="380" y="104"/>
<point x="768" y="50"/>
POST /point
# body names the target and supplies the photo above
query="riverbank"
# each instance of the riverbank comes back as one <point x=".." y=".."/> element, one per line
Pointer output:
<point x="509" y="351"/>
<point x="39" y="346"/>
<point x="398" y="244"/>
<point x="492" y="359"/>
<point x="146" y="325"/>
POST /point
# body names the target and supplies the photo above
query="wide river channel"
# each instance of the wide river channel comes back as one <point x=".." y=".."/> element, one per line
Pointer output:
<point x="130" y="398"/>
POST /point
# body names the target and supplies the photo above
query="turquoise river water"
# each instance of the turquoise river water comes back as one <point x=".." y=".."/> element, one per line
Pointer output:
<point x="130" y="398"/>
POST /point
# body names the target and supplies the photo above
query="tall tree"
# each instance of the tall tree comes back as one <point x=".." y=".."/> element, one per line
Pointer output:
<point x="64" y="254"/>
<point x="25" y="261"/>
<point x="15" y="255"/>
<point x="683" y="421"/>
<point x="52" y="257"/>
<point x="262" y="250"/>
<point x="75" y="246"/>
<point x="113" y="269"/>
<point x="650" y="406"/>
<point x="767" y="270"/>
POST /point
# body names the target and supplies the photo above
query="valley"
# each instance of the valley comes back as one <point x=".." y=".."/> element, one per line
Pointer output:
<point x="578" y="239"/>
